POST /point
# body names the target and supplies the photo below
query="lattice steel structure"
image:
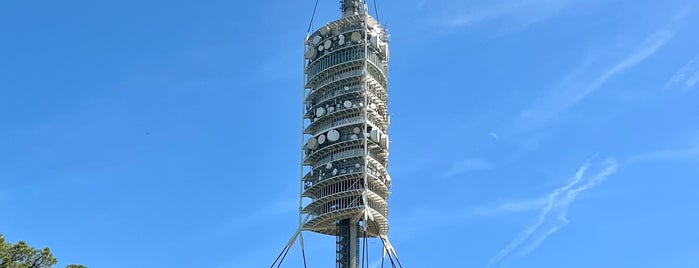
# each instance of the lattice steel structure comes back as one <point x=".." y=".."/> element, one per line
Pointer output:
<point x="344" y="179"/>
<point x="346" y="120"/>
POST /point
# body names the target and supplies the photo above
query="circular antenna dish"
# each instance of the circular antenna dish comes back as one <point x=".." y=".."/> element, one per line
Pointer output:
<point x="329" y="165"/>
<point x="357" y="165"/>
<point x="327" y="44"/>
<point x="321" y="48"/>
<point x="356" y="130"/>
<point x="356" y="36"/>
<point x="334" y="172"/>
<point x="321" y="139"/>
<point x="342" y="36"/>
<point x="311" y="53"/>
<point x="354" y="137"/>
<point x="372" y="106"/>
<point x="312" y="144"/>
<point x="320" y="111"/>
<point x="333" y="135"/>
<point x="347" y="104"/>
<point x="324" y="30"/>
<point x="317" y="39"/>
<point x="331" y="109"/>
<point x="342" y="41"/>
<point x="346" y="88"/>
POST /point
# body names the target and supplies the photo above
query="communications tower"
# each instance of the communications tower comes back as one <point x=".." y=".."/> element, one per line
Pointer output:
<point x="345" y="184"/>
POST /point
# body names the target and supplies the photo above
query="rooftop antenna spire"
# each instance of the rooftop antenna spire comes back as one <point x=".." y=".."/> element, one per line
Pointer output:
<point x="351" y="7"/>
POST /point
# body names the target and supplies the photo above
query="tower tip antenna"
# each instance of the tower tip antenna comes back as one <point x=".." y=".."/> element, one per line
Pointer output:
<point x="351" y="7"/>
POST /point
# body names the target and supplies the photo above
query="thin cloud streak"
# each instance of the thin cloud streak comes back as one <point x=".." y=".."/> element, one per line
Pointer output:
<point x="563" y="100"/>
<point x="690" y="153"/>
<point x="523" y="12"/>
<point x="509" y="207"/>
<point x="553" y="215"/>
<point x="684" y="76"/>
<point x="468" y="165"/>
<point x="486" y="14"/>
<point x="651" y="45"/>
<point x="692" y="81"/>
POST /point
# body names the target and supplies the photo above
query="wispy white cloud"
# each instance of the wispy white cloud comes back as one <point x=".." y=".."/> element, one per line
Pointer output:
<point x="509" y="207"/>
<point x="577" y="86"/>
<point x="686" y="77"/>
<point x="692" y="81"/>
<point x="523" y="12"/>
<point x="574" y="88"/>
<point x="682" y="154"/>
<point x="553" y="214"/>
<point x="485" y="14"/>
<point x="467" y="165"/>
<point x="687" y="151"/>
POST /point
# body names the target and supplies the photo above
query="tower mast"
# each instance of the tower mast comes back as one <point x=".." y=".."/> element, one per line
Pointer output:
<point x="346" y="182"/>
<point x="344" y="178"/>
<point x="350" y="7"/>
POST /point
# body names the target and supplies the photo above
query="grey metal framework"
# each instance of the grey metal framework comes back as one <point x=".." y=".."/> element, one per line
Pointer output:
<point x="344" y="179"/>
<point x="346" y="127"/>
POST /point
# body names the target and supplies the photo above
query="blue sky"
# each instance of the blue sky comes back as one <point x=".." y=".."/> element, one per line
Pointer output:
<point x="525" y="133"/>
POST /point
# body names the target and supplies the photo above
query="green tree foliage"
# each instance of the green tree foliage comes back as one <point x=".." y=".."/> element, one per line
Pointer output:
<point x="21" y="255"/>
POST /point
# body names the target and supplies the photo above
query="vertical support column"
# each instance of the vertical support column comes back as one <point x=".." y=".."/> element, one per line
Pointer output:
<point x="350" y="7"/>
<point x="347" y="250"/>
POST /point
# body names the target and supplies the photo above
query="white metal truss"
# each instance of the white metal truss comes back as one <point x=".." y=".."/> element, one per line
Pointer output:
<point x="345" y="142"/>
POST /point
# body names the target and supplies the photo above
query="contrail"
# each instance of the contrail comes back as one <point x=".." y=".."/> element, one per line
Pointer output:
<point x="557" y="205"/>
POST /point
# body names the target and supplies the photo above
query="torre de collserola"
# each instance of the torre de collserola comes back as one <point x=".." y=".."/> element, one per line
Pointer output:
<point x="344" y="178"/>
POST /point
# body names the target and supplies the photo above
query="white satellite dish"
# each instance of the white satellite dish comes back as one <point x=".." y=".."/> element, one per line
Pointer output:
<point x="329" y="165"/>
<point x="312" y="144"/>
<point x="356" y="36"/>
<point x="333" y="135"/>
<point x="320" y="111"/>
<point x="321" y="48"/>
<point x="347" y="104"/>
<point x="327" y="44"/>
<point x="354" y="137"/>
<point x="317" y="39"/>
<point x="346" y="88"/>
<point x="357" y="165"/>
<point x="331" y="109"/>
<point x="324" y="30"/>
<point x="334" y="172"/>
<point x="356" y="130"/>
<point x="342" y="36"/>
<point x="341" y="41"/>
<point x="321" y="139"/>
<point x="311" y="53"/>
